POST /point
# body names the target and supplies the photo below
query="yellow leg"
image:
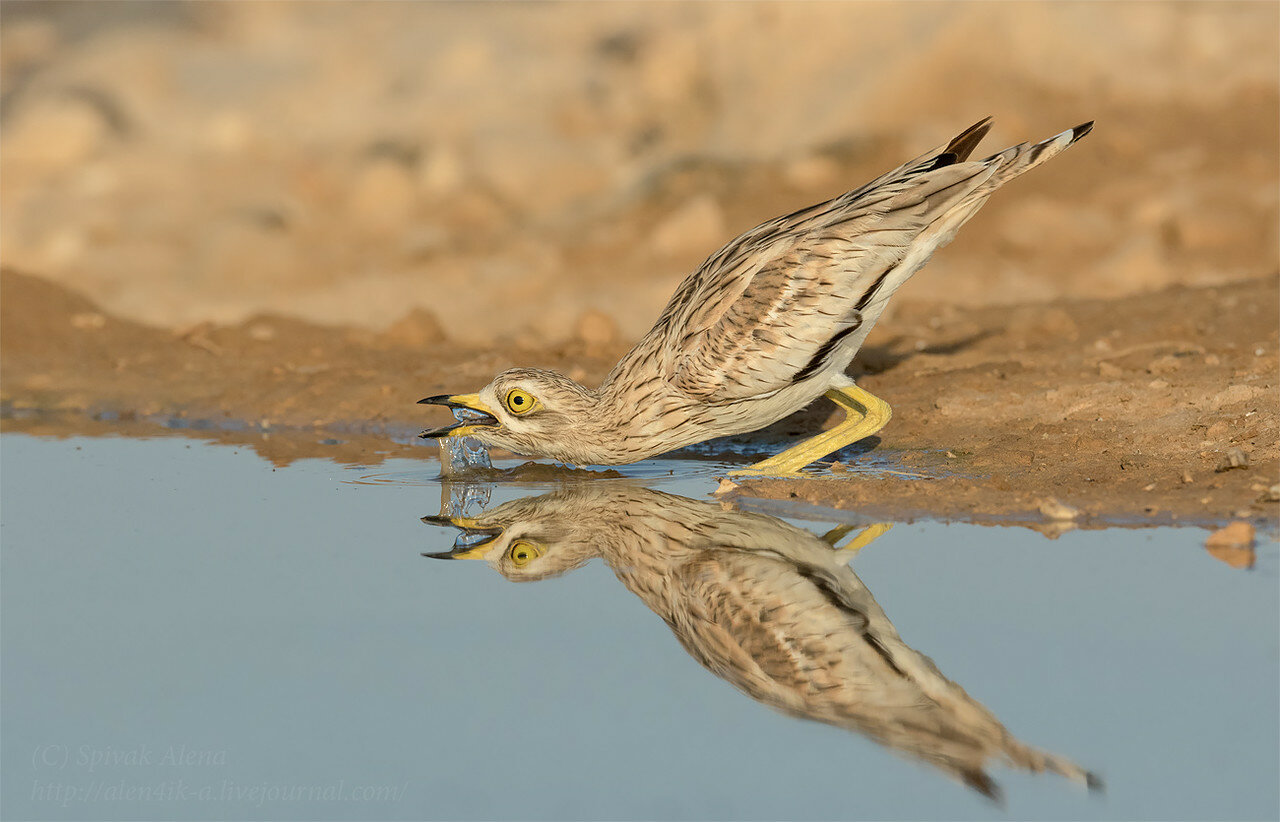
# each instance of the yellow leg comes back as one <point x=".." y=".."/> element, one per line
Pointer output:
<point x="864" y="538"/>
<point x="866" y="414"/>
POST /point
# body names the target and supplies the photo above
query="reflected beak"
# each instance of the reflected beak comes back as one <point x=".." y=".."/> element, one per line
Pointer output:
<point x="473" y="543"/>
<point x="470" y="402"/>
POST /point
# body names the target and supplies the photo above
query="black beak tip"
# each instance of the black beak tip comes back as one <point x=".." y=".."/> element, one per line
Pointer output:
<point x="438" y="399"/>
<point x="441" y="555"/>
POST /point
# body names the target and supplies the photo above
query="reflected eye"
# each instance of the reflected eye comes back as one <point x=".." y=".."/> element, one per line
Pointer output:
<point x="522" y="553"/>
<point x="519" y="402"/>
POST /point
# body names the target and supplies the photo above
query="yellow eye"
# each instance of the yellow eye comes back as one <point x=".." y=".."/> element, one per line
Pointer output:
<point x="519" y="402"/>
<point x="522" y="553"/>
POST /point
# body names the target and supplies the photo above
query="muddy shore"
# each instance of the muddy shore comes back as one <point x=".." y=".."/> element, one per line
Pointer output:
<point x="239" y="221"/>
<point x="1115" y="408"/>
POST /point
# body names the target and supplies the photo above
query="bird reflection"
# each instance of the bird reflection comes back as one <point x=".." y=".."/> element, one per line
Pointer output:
<point x="773" y="609"/>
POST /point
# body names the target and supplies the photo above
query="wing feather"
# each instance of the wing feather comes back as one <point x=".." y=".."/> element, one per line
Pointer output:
<point x="757" y="313"/>
<point x="792" y="295"/>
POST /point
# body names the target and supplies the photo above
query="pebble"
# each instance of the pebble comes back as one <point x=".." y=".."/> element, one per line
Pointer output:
<point x="1236" y="394"/>
<point x="417" y="329"/>
<point x="810" y="171"/>
<point x="443" y="172"/>
<point x="88" y="321"/>
<point x="726" y="486"/>
<point x="1055" y="510"/>
<point x="1233" y="544"/>
<point x="1164" y="365"/>
<point x="383" y="196"/>
<point x="1234" y="458"/>
<point x="596" y="328"/>
<point x="694" y="227"/>
<point x="54" y="133"/>
<point x="1235" y="556"/>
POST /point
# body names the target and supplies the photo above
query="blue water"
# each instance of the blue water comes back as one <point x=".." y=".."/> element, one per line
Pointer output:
<point x="189" y="633"/>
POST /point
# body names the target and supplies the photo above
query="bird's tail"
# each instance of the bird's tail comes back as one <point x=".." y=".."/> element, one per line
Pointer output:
<point x="1038" y="761"/>
<point x="1023" y="157"/>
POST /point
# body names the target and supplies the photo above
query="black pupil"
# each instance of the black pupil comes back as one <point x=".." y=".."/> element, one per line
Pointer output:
<point x="517" y="400"/>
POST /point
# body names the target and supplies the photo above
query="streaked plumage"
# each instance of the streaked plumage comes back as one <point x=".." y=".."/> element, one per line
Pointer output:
<point x="765" y="326"/>
<point x="770" y="608"/>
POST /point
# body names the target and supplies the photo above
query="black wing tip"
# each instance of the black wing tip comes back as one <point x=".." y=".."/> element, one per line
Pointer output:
<point x="966" y="141"/>
<point x="1081" y="130"/>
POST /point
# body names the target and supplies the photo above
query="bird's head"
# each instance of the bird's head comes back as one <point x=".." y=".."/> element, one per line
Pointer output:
<point x="524" y="540"/>
<point x="524" y="410"/>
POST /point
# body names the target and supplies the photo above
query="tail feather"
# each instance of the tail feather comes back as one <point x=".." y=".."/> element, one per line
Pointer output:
<point x="1019" y="159"/>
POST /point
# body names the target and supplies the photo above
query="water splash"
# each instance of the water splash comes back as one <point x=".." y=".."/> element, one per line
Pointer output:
<point x="462" y="454"/>
<point x="463" y="499"/>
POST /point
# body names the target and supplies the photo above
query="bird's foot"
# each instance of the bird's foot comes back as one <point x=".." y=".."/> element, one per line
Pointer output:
<point x="866" y="414"/>
<point x="862" y="539"/>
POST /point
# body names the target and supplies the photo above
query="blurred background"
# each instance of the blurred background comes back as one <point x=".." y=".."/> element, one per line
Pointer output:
<point x="550" y="171"/>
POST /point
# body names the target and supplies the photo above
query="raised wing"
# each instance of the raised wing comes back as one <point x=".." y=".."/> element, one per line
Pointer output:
<point x="771" y="307"/>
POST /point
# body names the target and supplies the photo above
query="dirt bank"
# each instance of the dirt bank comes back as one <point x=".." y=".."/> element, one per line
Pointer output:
<point x="282" y="224"/>
<point x="1117" y="408"/>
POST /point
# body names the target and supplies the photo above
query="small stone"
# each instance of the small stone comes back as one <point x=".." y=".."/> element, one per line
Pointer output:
<point x="88" y="321"/>
<point x="1187" y="478"/>
<point x="383" y="196"/>
<point x="1218" y="430"/>
<point x="1233" y="544"/>
<point x="230" y="131"/>
<point x="810" y="171"/>
<point x="1234" y="458"/>
<point x="54" y="133"/>
<point x="1272" y="494"/>
<point x="1110" y="372"/>
<point x="1150" y="487"/>
<point x="1212" y="359"/>
<point x="417" y="329"/>
<point x="1164" y="365"/>
<point x="951" y="455"/>
<point x="1057" y="511"/>
<point x="1157" y="384"/>
<point x="1236" y="394"/>
<point x="692" y="228"/>
<point x="726" y="486"/>
<point x="442" y="172"/>
<point x="596" y="328"/>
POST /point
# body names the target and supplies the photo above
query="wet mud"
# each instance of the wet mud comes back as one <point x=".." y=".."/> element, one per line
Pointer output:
<point x="1061" y="412"/>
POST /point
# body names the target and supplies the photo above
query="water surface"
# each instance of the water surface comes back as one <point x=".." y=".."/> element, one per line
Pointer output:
<point x="189" y="633"/>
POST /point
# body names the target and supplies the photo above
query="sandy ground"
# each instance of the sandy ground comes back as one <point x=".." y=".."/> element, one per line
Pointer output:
<point x="1117" y="408"/>
<point x="243" y="221"/>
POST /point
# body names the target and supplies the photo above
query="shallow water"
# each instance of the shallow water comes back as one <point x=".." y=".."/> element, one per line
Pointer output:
<point x="189" y="633"/>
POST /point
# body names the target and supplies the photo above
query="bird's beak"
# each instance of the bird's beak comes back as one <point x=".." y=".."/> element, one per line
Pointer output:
<point x="467" y="546"/>
<point x="471" y="402"/>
